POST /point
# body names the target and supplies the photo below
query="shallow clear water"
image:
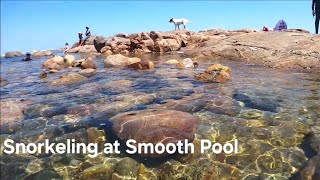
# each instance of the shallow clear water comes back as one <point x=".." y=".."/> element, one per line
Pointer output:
<point x="269" y="111"/>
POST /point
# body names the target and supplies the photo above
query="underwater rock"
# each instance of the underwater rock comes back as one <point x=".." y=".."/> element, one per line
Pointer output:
<point x="12" y="112"/>
<point x="101" y="171"/>
<point x="35" y="166"/>
<point x="71" y="78"/>
<point x="192" y="103"/>
<point x="14" y="166"/>
<point x="311" y="171"/>
<point x="146" y="173"/>
<point x="3" y="82"/>
<point x="87" y="72"/>
<point x="222" y="105"/>
<point x="121" y="103"/>
<point x="126" y="167"/>
<point x="201" y="169"/>
<point x="144" y="65"/>
<point x="80" y="136"/>
<point x="216" y="73"/>
<point x="118" y="85"/>
<point x="81" y="110"/>
<point x="154" y="126"/>
<point x="45" y="174"/>
<point x="251" y="114"/>
<point x="263" y="104"/>
<point x="96" y="136"/>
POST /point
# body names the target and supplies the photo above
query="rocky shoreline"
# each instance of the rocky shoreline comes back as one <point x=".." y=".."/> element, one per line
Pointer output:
<point x="293" y="49"/>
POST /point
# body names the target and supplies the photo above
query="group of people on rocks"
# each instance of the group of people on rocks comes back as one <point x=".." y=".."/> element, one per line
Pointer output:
<point x="88" y="34"/>
<point x="81" y="40"/>
<point x="282" y="25"/>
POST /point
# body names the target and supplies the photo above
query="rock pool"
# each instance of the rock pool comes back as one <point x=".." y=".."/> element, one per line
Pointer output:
<point x="274" y="114"/>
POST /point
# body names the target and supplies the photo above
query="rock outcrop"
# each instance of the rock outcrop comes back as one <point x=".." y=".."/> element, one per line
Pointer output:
<point x="286" y="50"/>
<point x="56" y="62"/>
<point x="83" y="49"/>
<point x="99" y="42"/>
<point x="13" y="54"/>
<point x="290" y="49"/>
<point x="42" y="53"/>
<point x="69" y="59"/>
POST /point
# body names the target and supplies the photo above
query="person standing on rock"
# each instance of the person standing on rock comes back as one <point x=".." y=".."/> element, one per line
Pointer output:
<point x="316" y="13"/>
<point x="88" y="34"/>
<point x="80" y="38"/>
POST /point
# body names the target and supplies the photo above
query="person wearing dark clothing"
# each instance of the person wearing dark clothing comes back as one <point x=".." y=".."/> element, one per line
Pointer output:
<point x="80" y="38"/>
<point x="88" y="34"/>
<point x="27" y="58"/>
<point x="316" y="13"/>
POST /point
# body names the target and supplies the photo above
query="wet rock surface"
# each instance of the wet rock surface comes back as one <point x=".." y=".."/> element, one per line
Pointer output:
<point x="216" y="73"/>
<point x="154" y="126"/>
<point x="119" y="60"/>
<point x="68" y="79"/>
<point x="270" y="112"/>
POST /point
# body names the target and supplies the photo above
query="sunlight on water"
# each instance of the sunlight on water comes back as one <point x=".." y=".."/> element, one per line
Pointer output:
<point x="269" y="111"/>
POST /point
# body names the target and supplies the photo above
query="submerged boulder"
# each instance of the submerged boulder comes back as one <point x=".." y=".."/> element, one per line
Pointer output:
<point x="260" y="103"/>
<point x="12" y="112"/>
<point x="155" y="126"/>
<point x="68" y="79"/>
<point x="216" y="73"/>
<point x="3" y="82"/>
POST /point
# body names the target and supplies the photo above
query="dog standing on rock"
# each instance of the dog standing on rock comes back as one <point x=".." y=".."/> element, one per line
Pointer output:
<point x="178" y="22"/>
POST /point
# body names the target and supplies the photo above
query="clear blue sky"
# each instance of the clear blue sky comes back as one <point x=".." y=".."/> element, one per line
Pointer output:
<point x="38" y="25"/>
